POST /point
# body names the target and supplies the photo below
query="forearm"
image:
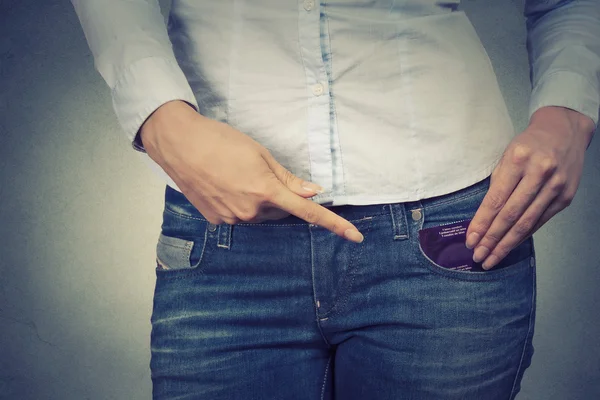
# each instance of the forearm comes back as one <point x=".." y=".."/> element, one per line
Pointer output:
<point x="133" y="53"/>
<point x="563" y="44"/>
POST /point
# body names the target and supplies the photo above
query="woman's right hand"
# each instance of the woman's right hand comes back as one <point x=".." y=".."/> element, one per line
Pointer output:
<point x="227" y="175"/>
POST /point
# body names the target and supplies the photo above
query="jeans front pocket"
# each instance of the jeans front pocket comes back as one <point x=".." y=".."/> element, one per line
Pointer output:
<point x="460" y="207"/>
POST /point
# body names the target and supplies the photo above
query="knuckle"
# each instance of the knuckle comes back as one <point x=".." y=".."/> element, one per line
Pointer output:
<point x="520" y="153"/>
<point x="247" y="215"/>
<point x="310" y="216"/>
<point x="511" y="216"/>
<point x="492" y="238"/>
<point x="547" y="164"/>
<point x="525" y="225"/>
<point x="287" y="177"/>
<point x="494" y="201"/>
<point x="558" y="182"/>
<point x="479" y="229"/>
<point x="339" y="225"/>
<point x="230" y="220"/>
<point x="522" y="228"/>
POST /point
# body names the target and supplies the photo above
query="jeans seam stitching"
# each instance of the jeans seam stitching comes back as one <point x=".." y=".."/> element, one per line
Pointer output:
<point x="335" y="309"/>
<point x="531" y="311"/>
<point x="325" y="377"/>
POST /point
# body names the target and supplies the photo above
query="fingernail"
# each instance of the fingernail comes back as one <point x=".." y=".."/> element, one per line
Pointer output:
<point x="490" y="262"/>
<point x="354" y="235"/>
<point x="471" y="240"/>
<point x="481" y="252"/>
<point x="313" y="188"/>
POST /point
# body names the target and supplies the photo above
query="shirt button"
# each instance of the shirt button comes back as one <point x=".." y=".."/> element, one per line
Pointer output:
<point x="416" y="215"/>
<point x="317" y="89"/>
<point x="212" y="227"/>
<point x="308" y="5"/>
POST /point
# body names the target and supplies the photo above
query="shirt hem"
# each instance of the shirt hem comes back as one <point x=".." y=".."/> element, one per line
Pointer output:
<point x="362" y="200"/>
<point x="456" y="185"/>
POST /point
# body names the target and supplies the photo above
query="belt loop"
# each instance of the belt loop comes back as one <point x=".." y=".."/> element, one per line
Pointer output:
<point x="400" y="224"/>
<point x="224" y="235"/>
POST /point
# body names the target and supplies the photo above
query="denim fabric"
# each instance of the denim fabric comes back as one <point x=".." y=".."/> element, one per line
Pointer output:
<point x="288" y="310"/>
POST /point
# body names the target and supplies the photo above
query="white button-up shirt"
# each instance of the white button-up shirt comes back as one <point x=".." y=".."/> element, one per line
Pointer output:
<point x="378" y="101"/>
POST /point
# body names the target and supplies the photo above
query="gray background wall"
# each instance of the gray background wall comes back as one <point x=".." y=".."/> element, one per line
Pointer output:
<point x="80" y="214"/>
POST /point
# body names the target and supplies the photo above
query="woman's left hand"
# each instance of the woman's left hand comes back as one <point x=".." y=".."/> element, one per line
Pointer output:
<point x="536" y="178"/>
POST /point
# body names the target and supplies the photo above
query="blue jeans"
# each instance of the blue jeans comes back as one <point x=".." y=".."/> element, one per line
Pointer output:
<point x="288" y="310"/>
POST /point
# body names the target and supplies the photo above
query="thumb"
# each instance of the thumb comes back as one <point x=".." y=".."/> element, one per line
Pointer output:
<point x="297" y="185"/>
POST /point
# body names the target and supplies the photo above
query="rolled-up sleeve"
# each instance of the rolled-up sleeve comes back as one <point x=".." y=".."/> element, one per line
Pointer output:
<point x="132" y="52"/>
<point x="563" y="43"/>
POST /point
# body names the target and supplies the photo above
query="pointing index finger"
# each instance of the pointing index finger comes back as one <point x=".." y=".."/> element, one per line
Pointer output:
<point x="314" y="213"/>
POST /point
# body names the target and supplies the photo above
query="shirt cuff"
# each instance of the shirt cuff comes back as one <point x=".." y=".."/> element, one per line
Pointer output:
<point x="142" y="88"/>
<point x="567" y="89"/>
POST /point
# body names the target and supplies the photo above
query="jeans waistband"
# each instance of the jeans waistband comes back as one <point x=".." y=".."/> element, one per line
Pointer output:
<point x="176" y="202"/>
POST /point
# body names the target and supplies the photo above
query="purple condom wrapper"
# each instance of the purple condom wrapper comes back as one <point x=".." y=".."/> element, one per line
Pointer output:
<point x="445" y="246"/>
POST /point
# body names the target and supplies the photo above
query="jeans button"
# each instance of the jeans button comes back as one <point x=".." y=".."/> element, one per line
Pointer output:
<point x="212" y="227"/>
<point x="416" y="215"/>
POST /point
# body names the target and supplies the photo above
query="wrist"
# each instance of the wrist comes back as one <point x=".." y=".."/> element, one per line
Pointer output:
<point x="163" y="117"/>
<point x="552" y="116"/>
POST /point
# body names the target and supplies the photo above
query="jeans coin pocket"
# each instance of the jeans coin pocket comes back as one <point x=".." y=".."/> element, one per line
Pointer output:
<point x="178" y="253"/>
